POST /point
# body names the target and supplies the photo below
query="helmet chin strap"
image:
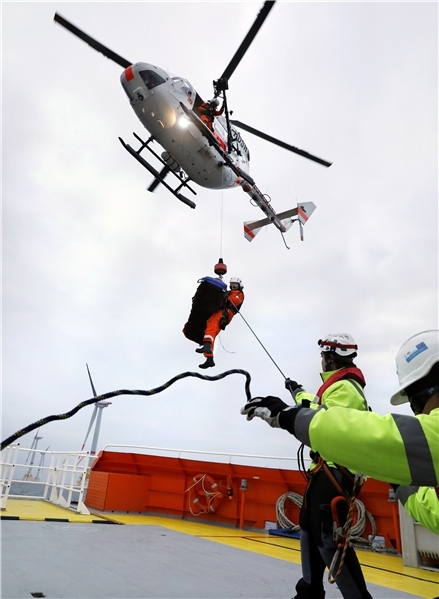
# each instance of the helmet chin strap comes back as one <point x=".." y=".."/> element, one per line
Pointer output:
<point x="329" y="359"/>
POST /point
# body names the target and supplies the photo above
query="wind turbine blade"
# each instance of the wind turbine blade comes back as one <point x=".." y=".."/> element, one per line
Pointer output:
<point x="91" y="383"/>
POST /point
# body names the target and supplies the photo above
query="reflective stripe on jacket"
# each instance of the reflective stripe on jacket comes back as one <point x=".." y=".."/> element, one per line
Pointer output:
<point x="394" y="448"/>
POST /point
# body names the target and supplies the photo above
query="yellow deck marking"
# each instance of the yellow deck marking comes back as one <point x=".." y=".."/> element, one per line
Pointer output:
<point x="31" y="509"/>
<point x="384" y="570"/>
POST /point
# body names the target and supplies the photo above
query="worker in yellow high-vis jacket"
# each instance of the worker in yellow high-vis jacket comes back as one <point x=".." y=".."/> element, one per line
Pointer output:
<point x="402" y="450"/>
<point x="328" y="485"/>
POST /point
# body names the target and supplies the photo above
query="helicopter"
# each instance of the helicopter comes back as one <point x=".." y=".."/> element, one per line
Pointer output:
<point x="200" y="142"/>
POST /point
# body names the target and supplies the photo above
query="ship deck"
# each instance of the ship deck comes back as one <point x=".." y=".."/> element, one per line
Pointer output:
<point x="48" y="551"/>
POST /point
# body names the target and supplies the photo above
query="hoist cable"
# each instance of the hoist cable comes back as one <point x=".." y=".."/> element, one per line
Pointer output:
<point x="94" y="400"/>
<point x="221" y="223"/>
<point x="262" y="345"/>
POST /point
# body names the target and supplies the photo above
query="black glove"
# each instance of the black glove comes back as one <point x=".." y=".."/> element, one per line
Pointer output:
<point x="267" y="408"/>
<point x="292" y="386"/>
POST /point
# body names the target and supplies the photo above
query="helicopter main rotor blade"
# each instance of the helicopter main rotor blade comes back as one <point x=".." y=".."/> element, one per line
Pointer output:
<point x="92" y="42"/>
<point x="263" y="13"/>
<point x="282" y="144"/>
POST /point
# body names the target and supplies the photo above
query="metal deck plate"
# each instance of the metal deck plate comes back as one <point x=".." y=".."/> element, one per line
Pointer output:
<point x="154" y="560"/>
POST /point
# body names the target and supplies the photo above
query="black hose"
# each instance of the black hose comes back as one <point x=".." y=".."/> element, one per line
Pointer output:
<point x="43" y="421"/>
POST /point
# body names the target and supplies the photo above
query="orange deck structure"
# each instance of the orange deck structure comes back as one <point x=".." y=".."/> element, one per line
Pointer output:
<point x="237" y="495"/>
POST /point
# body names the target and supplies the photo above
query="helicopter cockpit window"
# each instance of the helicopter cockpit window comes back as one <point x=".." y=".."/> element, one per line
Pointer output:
<point x="184" y="85"/>
<point x="187" y="87"/>
<point x="151" y="79"/>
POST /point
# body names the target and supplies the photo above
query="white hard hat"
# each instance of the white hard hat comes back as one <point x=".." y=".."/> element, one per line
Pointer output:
<point x="414" y="360"/>
<point x="236" y="280"/>
<point x="342" y="344"/>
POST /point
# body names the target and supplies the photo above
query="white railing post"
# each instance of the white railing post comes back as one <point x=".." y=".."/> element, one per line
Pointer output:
<point x="7" y="473"/>
<point x="416" y="540"/>
<point x="49" y="477"/>
<point x="68" y="476"/>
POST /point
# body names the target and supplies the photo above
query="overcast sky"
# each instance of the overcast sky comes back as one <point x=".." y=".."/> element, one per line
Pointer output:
<point x="97" y="270"/>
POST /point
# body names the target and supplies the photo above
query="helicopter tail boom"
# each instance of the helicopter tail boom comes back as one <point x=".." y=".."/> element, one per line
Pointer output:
<point x="282" y="220"/>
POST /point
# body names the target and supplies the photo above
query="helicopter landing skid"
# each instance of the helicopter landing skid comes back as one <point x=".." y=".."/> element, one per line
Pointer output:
<point x="158" y="176"/>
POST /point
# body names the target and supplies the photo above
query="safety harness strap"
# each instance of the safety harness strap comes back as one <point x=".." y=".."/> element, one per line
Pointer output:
<point x="352" y="373"/>
<point x="341" y="533"/>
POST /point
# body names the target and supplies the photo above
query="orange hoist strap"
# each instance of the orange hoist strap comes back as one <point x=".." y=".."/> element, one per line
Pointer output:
<point x="341" y="538"/>
<point x="357" y="481"/>
<point x="332" y="478"/>
<point x="338" y="529"/>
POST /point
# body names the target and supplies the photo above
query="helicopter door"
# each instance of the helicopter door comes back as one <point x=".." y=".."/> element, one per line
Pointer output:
<point x="183" y="85"/>
<point x="220" y="133"/>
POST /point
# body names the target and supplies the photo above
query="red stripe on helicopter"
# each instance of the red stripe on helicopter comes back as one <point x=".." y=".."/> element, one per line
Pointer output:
<point x="221" y="142"/>
<point x="249" y="232"/>
<point x="129" y="75"/>
<point x="302" y="213"/>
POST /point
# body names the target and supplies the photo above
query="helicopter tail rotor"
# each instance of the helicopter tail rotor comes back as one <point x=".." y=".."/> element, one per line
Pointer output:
<point x="285" y="219"/>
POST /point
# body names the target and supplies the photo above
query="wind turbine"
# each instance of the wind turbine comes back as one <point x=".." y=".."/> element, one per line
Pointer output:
<point x="31" y="454"/>
<point x="41" y="464"/>
<point x="97" y="411"/>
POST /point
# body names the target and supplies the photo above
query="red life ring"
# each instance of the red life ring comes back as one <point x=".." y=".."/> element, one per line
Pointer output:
<point x="204" y="495"/>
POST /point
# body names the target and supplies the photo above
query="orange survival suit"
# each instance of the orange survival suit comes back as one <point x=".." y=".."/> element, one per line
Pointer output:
<point x="220" y="319"/>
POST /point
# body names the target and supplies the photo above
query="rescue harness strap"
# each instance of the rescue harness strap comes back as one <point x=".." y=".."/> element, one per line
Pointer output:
<point x="31" y="427"/>
<point x="341" y="533"/>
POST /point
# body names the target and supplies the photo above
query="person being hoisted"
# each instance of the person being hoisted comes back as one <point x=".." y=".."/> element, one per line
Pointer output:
<point x="209" y="110"/>
<point x="233" y="301"/>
